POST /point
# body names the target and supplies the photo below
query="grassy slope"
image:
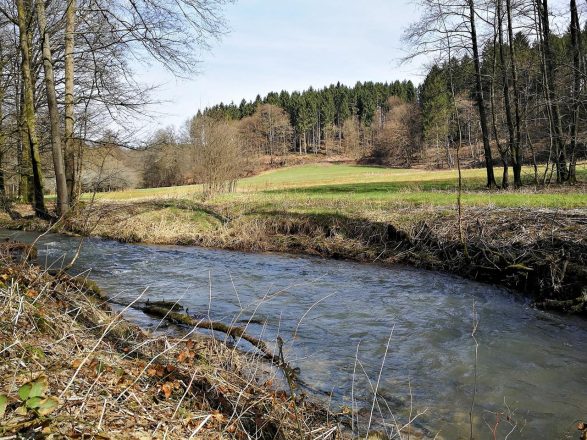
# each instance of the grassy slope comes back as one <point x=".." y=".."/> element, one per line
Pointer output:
<point x="309" y="194"/>
<point x="352" y="188"/>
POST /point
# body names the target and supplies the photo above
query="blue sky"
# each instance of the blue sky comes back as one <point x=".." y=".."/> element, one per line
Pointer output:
<point x="291" y="45"/>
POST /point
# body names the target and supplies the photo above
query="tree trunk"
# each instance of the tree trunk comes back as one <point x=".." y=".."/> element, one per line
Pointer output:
<point x="2" y="140"/>
<point x="517" y="153"/>
<point x="502" y="152"/>
<point x="547" y="110"/>
<point x="29" y="117"/>
<point x="25" y="185"/>
<point x="69" y="100"/>
<point x="449" y="161"/>
<point x="549" y="71"/>
<point x="480" y="100"/>
<point x="534" y="162"/>
<point x="57" y="147"/>
<point x="506" y="99"/>
<point x="577" y="73"/>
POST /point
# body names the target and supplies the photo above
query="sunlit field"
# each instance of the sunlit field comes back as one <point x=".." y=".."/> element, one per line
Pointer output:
<point x="333" y="186"/>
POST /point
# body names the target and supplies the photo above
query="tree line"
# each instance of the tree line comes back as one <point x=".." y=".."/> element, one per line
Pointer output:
<point x="66" y="79"/>
<point x="370" y="121"/>
<point x="317" y="117"/>
<point x="525" y="81"/>
<point x="505" y="88"/>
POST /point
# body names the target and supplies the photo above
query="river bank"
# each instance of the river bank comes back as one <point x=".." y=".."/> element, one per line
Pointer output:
<point x="537" y="251"/>
<point x="335" y="314"/>
<point x="75" y="368"/>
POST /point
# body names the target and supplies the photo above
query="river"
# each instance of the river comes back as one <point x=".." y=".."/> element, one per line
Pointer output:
<point x="531" y="365"/>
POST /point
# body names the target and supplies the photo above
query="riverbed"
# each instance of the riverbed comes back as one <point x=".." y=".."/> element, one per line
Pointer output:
<point x="442" y="340"/>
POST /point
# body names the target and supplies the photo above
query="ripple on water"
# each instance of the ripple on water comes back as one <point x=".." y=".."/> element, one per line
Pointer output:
<point x="530" y="362"/>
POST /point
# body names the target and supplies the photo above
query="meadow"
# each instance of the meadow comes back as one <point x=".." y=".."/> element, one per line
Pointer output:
<point x="353" y="188"/>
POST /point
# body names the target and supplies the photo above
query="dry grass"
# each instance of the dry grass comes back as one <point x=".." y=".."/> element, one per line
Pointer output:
<point x="113" y="380"/>
<point x="539" y="251"/>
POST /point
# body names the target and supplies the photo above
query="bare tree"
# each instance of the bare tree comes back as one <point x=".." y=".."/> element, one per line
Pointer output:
<point x="454" y="22"/>
<point x="549" y="71"/>
<point x="399" y="140"/>
<point x="29" y="118"/>
<point x="69" y="153"/>
<point x="576" y="48"/>
<point x="351" y="138"/>
<point x="51" y="94"/>
<point x="218" y="154"/>
<point x="517" y="142"/>
<point x="512" y="141"/>
<point x="479" y="97"/>
<point x="268" y="130"/>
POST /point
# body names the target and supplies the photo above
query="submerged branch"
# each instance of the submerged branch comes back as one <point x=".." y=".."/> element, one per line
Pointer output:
<point x="167" y="313"/>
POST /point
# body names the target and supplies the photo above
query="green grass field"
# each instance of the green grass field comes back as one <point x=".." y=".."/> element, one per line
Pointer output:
<point x="334" y="187"/>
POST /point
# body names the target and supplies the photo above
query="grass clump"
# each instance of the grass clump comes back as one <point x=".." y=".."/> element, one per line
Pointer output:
<point x="74" y="368"/>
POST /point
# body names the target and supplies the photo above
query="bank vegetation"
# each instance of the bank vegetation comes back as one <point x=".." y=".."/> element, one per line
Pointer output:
<point x="74" y="367"/>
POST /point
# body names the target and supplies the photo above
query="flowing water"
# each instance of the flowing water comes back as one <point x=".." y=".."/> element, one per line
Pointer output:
<point x="531" y="365"/>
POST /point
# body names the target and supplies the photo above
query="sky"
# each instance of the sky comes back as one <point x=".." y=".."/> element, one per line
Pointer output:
<point x="275" y="45"/>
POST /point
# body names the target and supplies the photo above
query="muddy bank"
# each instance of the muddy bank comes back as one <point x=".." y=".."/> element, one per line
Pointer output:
<point x="539" y="252"/>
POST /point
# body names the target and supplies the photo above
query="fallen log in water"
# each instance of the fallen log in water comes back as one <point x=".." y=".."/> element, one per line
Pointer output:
<point x="168" y="314"/>
<point x="168" y="376"/>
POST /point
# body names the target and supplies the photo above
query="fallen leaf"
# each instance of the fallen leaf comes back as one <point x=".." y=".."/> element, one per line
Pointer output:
<point x="32" y="293"/>
<point x="48" y="405"/>
<point x="183" y="356"/>
<point x="218" y="416"/>
<point x="167" y="389"/>
<point x="221" y="389"/>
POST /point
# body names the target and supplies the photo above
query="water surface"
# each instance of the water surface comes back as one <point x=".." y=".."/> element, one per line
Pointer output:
<point x="531" y="364"/>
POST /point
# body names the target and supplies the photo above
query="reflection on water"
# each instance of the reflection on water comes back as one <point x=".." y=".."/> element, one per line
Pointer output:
<point x="530" y="364"/>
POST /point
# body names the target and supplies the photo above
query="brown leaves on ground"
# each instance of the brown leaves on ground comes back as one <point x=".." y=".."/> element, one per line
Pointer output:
<point x="123" y="383"/>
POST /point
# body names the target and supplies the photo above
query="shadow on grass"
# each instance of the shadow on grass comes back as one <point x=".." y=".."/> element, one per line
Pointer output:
<point x="381" y="187"/>
<point x="321" y="226"/>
